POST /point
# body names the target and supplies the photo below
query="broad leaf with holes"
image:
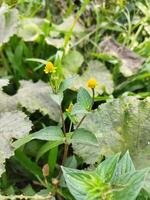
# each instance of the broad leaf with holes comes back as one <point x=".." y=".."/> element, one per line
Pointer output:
<point x="119" y="124"/>
<point x="13" y="125"/>
<point x="37" y="96"/>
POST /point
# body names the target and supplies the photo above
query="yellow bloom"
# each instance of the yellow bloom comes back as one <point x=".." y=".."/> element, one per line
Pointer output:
<point x="69" y="109"/>
<point x="92" y="83"/>
<point x="49" y="68"/>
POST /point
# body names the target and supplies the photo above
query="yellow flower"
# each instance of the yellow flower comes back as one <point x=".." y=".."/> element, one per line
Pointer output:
<point x="49" y="68"/>
<point x="92" y="83"/>
<point x="69" y="109"/>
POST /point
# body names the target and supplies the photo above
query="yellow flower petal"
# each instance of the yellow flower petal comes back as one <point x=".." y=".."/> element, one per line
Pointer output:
<point x="92" y="83"/>
<point x="49" y="68"/>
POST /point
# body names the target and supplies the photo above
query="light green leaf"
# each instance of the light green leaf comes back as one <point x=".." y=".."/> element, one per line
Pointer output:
<point x="13" y="124"/>
<point x="130" y="185"/>
<point x="8" y="23"/>
<point x="92" y="185"/>
<point x="71" y="62"/>
<point x="56" y="42"/>
<point x="67" y="23"/>
<point x="37" y="96"/>
<point x="85" y="185"/>
<point x="107" y="168"/>
<point x="84" y="98"/>
<point x="67" y="83"/>
<point x="51" y="133"/>
<point x="119" y="125"/>
<point x="31" y="28"/>
<point x="44" y="62"/>
<point x="125" y="165"/>
<point x="83" y="136"/>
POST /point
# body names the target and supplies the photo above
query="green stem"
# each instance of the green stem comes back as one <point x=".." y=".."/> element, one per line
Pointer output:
<point x="69" y="33"/>
<point x="78" y="125"/>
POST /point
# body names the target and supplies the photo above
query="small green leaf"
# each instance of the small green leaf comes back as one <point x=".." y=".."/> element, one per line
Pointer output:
<point x="84" y="98"/>
<point x="129" y="185"/>
<point x="107" y="168"/>
<point x="51" y="133"/>
<point x="125" y="165"/>
<point x="83" y="136"/>
<point x="67" y="83"/>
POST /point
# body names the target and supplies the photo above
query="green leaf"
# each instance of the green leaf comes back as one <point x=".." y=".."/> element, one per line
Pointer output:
<point x="44" y="62"/>
<point x="46" y="147"/>
<point x="84" y="98"/>
<point x="51" y="133"/>
<point x="83" y="136"/>
<point x="67" y="83"/>
<point x="52" y="159"/>
<point x="119" y="125"/>
<point x="37" y="96"/>
<point x="129" y="185"/>
<point x="28" y="164"/>
<point x="98" y="184"/>
<point x="13" y="124"/>
<point x="125" y="165"/>
<point x="85" y="185"/>
<point x="8" y="23"/>
<point x="107" y="168"/>
<point x="71" y="62"/>
<point x="31" y="28"/>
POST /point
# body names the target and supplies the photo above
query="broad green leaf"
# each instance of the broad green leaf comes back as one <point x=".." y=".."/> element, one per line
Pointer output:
<point x="71" y="62"/>
<point x="119" y="125"/>
<point x="56" y="42"/>
<point x="13" y="124"/>
<point x="52" y="159"/>
<point x="98" y="71"/>
<point x="8" y="23"/>
<point x="32" y="96"/>
<point x="83" y="136"/>
<point x="51" y="133"/>
<point x="31" y="28"/>
<point x="130" y="61"/>
<point x="67" y="23"/>
<point x="28" y="190"/>
<point x="37" y="96"/>
<point x="107" y="168"/>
